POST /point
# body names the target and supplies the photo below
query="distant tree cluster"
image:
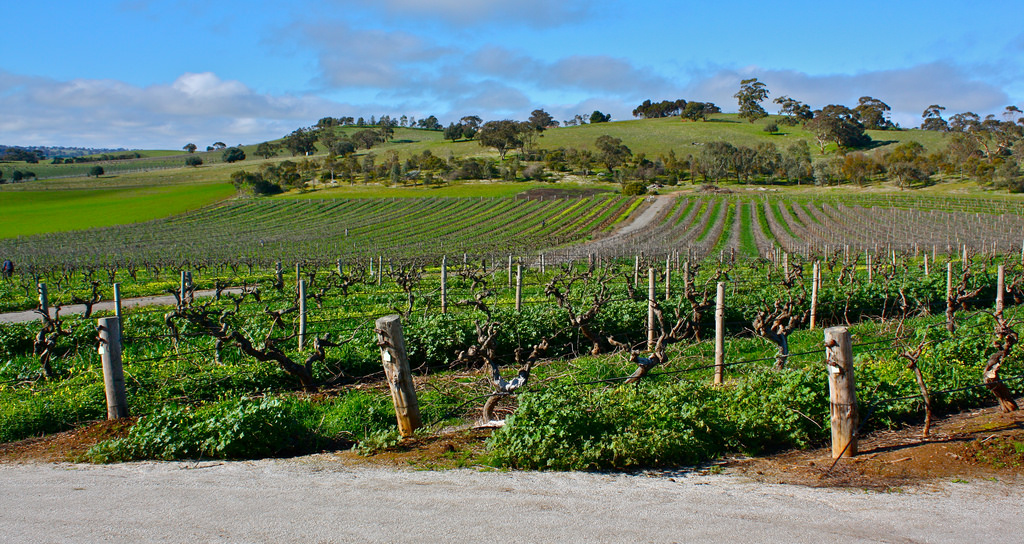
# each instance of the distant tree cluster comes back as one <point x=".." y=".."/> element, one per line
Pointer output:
<point x="657" y="110"/>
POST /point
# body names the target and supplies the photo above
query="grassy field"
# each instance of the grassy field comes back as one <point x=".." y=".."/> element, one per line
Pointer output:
<point x="33" y="212"/>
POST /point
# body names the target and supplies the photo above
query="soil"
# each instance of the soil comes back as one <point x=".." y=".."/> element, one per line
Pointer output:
<point x="972" y="446"/>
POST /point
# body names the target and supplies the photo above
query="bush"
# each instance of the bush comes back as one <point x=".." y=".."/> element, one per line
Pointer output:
<point x="233" y="429"/>
<point x="771" y="128"/>
<point x="193" y="160"/>
<point x="96" y="171"/>
<point x="233" y="154"/>
<point x="634" y="188"/>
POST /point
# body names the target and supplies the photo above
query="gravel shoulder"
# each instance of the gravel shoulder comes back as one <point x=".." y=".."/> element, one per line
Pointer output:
<point x="316" y="499"/>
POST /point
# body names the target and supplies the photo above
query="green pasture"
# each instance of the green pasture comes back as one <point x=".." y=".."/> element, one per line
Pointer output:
<point x="485" y="189"/>
<point x="32" y="212"/>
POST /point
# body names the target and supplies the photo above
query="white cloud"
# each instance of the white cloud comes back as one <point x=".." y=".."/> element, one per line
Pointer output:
<point x="106" y="113"/>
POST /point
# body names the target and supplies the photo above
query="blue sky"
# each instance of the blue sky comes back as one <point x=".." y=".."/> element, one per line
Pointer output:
<point x="161" y="73"/>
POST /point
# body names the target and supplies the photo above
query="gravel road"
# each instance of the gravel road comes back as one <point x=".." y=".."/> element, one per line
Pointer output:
<point x="108" y="305"/>
<point x="317" y="499"/>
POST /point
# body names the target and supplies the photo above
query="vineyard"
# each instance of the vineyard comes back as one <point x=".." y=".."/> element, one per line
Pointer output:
<point x="595" y="346"/>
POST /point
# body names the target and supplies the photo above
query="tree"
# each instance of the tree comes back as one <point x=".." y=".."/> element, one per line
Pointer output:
<point x="699" y="110"/>
<point x="541" y="120"/>
<point x="501" y="135"/>
<point x="190" y="147"/>
<point x="470" y="126"/>
<point x="752" y="92"/>
<point x="453" y="132"/>
<point x="96" y="171"/>
<point x="219" y="145"/>
<point x="932" y="118"/>
<point x="266" y="150"/>
<point x="857" y="167"/>
<point x="255" y="182"/>
<point x="430" y="123"/>
<point x="613" y="151"/>
<point x="665" y="108"/>
<point x="598" y="117"/>
<point x="301" y="141"/>
<point x="793" y="111"/>
<point x="365" y="138"/>
<point x="907" y="163"/>
<point x="839" y="125"/>
<point x="233" y="154"/>
<point x="17" y="175"/>
<point x="714" y="160"/>
<point x="193" y="160"/>
<point x="871" y="112"/>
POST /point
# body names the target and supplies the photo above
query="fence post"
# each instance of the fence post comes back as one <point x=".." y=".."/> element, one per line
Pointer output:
<point x="117" y="310"/>
<point x="279" y="274"/>
<point x="842" y="389"/>
<point x="815" y="278"/>
<point x="302" y="314"/>
<point x="113" y="372"/>
<point x="444" y="284"/>
<point x="636" y="272"/>
<point x="519" y="287"/>
<point x="396" y="368"/>
<point x="181" y="289"/>
<point x="950" y="308"/>
<point x="668" y="278"/>
<point x="926" y="264"/>
<point x="1000" y="287"/>
<point x="340" y="270"/>
<point x="44" y="301"/>
<point x="380" y="270"/>
<point x="509" y="270"/>
<point x="719" y="332"/>
<point x="298" y="275"/>
<point x="650" y="308"/>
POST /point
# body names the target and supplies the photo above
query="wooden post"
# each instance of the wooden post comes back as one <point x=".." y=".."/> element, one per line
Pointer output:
<point x="926" y="264"/>
<point x="298" y="276"/>
<point x="396" y="368"/>
<point x="182" y="290"/>
<point x="668" y="278"/>
<point x="541" y="263"/>
<point x="444" y="284"/>
<point x="117" y="310"/>
<point x="509" y="270"/>
<point x="279" y="274"/>
<point x="842" y="389"/>
<point x="815" y="278"/>
<point x="302" y="314"/>
<point x="380" y="270"/>
<point x="950" y="309"/>
<point x="340" y="271"/>
<point x="650" y="308"/>
<point x="113" y="372"/>
<point x="636" y="272"/>
<point x="44" y="300"/>
<point x="719" y="333"/>
<point x="1000" y="287"/>
<point x="686" y="275"/>
<point x="519" y="287"/>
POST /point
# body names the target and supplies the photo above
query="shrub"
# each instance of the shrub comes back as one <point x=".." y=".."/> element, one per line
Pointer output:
<point x="634" y="188"/>
<point x="193" y="160"/>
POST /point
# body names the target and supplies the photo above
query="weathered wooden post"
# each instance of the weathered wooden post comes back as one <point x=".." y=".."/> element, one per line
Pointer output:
<point x="340" y="270"/>
<point x="842" y="389"/>
<point x="815" y="279"/>
<point x="519" y="287"/>
<point x="182" y="290"/>
<point x="444" y="284"/>
<point x="1000" y="288"/>
<point x="869" y="266"/>
<point x="926" y="264"/>
<point x="298" y="276"/>
<point x="113" y="372"/>
<point x="636" y="272"/>
<point x="720" y="333"/>
<point x="396" y="369"/>
<point x="650" y="308"/>
<point x="44" y="300"/>
<point x="302" y="314"/>
<point x="117" y="310"/>
<point x="509" y="270"/>
<point x="380" y="270"/>
<point x="279" y="274"/>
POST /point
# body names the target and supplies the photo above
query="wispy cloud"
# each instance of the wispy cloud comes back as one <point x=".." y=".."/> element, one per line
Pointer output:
<point x="536" y="13"/>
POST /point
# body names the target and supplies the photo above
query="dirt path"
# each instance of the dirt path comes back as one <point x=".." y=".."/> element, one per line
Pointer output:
<point x="108" y="305"/>
<point x="314" y="499"/>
